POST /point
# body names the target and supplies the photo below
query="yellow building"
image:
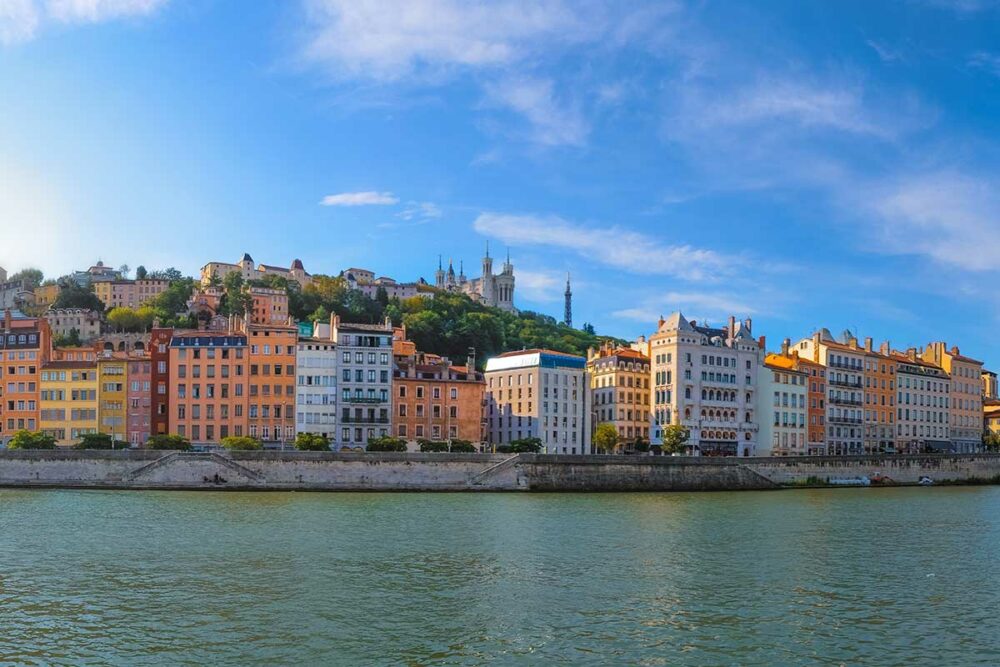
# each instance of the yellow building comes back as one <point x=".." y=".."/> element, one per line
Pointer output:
<point x="45" y="296"/>
<point x="112" y="395"/>
<point x="620" y="394"/>
<point x="68" y="400"/>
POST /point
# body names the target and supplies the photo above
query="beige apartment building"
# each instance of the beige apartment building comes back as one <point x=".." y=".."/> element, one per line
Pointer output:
<point x="129" y="293"/>
<point x="966" y="405"/>
<point x="539" y="394"/>
<point x="620" y="393"/>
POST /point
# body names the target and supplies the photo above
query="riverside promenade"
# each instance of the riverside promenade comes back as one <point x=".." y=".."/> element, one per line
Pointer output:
<point x="321" y="471"/>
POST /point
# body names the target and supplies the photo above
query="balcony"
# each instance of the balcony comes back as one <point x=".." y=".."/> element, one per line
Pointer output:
<point x="364" y="420"/>
<point x="844" y="401"/>
<point x="361" y="399"/>
<point x="844" y="420"/>
<point x="848" y="367"/>
<point x="844" y="383"/>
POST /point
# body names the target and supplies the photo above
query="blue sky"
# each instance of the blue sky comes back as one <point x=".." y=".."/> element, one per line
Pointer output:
<point x="804" y="163"/>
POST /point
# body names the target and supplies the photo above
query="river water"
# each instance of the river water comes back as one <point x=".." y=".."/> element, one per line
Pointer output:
<point x="843" y="576"/>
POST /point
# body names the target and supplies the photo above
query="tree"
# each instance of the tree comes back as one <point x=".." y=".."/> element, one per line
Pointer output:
<point x="140" y="272"/>
<point x="241" y="443"/>
<point x="382" y="296"/>
<point x="72" y="295"/>
<point x="675" y="439"/>
<point x="605" y="437"/>
<point x="386" y="444"/>
<point x="171" y="274"/>
<point x="522" y="446"/>
<point x="432" y="445"/>
<point x="588" y="328"/>
<point x="31" y="440"/>
<point x="122" y="319"/>
<point x="236" y="301"/>
<point x="321" y="314"/>
<point x="72" y="339"/>
<point x="99" y="441"/>
<point x="169" y="442"/>
<point x="124" y="270"/>
<point x="312" y="442"/>
<point x="462" y="446"/>
<point x="31" y="278"/>
<point x="991" y="441"/>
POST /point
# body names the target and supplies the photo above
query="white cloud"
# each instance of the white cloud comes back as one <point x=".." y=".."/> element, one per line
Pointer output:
<point x="553" y="122"/>
<point x="701" y="306"/>
<point x="539" y="286"/>
<point x="391" y="39"/>
<point x="421" y="211"/>
<point x="612" y="246"/>
<point x="986" y="61"/>
<point x="95" y="11"/>
<point x="368" y="198"/>
<point x="952" y="217"/>
<point x="20" y="20"/>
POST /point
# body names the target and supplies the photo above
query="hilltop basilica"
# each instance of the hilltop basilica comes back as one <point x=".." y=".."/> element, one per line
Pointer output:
<point x="492" y="290"/>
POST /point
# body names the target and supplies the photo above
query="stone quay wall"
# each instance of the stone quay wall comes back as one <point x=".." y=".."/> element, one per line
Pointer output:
<point x="272" y="470"/>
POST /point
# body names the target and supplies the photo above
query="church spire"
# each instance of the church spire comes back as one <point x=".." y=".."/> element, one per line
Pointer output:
<point x="568" y="312"/>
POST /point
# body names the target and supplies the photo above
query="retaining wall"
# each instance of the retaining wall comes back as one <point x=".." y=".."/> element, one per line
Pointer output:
<point x="138" y="469"/>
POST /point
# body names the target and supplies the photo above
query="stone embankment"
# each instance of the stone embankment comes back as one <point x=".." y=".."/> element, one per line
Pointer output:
<point x="138" y="469"/>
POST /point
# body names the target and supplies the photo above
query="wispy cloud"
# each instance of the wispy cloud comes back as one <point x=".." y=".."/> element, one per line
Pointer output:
<point x="703" y="306"/>
<point x="20" y="20"/>
<point x="539" y="286"/>
<point x="885" y="53"/>
<point x="422" y="211"/>
<point x="552" y="122"/>
<point x="612" y="246"/>
<point x="949" y="216"/>
<point x="368" y="198"/>
<point x="984" y="60"/>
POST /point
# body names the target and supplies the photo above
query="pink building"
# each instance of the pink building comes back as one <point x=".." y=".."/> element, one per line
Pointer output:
<point x="139" y="400"/>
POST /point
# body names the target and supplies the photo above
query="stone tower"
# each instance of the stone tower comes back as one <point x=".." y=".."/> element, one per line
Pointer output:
<point x="439" y="275"/>
<point x="504" y="296"/>
<point x="568" y="309"/>
<point x="486" y="281"/>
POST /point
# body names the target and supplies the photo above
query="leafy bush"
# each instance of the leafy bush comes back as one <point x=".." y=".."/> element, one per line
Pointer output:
<point x="31" y="440"/>
<point x="99" y="441"/>
<point x="312" y="442"/>
<point x="432" y="445"/>
<point x="241" y="443"/>
<point x="463" y="446"/>
<point x="521" y="446"/>
<point x="169" y="442"/>
<point x="386" y="444"/>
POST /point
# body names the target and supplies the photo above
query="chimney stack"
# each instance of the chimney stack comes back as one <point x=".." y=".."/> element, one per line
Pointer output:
<point x="731" y="330"/>
<point x="749" y="324"/>
<point x="762" y="343"/>
<point x="911" y="353"/>
<point x="868" y="343"/>
<point x="785" y="345"/>
<point x="6" y="319"/>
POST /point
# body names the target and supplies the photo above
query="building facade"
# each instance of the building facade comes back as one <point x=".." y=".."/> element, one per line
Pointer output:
<point x="112" y="395"/>
<point x="208" y="377"/>
<point x="880" y="399"/>
<point x="782" y="406"/>
<point x="69" y="400"/>
<point x="139" y="407"/>
<point x="539" y="394"/>
<point x="923" y="397"/>
<point x="159" y="359"/>
<point x="316" y="391"/>
<point x="620" y="392"/>
<point x="365" y="381"/>
<point x="435" y="400"/>
<point x="24" y="349"/>
<point x="62" y="322"/>
<point x="246" y="268"/>
<point x="966" y="407"/>
<point x="129" y="293"/>
<point x="271" y="415"/>
<point x="705" y="379"/>
<point x="844" y="361"/>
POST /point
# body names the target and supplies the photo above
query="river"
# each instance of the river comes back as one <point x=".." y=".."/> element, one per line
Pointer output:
<point x="838" y="576"/>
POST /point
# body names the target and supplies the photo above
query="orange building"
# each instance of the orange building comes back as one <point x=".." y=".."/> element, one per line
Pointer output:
<point x="268" y="306"/>
<point x="159" y="380"/>
<point x="620" y="395"/>
<point x="815" y="396"/>
<point x="24" y="347"/>
<point x="434" y="399"/>
<point x="207" y="386"/>
<point x="880" y="399"/>
<point x="271" y="416"/>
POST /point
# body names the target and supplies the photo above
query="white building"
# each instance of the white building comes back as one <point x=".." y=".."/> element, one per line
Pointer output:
<point x="705" y="379"/>
<point x="539" y="394"/>
<point x="246" y="268"/>
<point x="781" y="405"/>
<point x="495" y="290"/>
<point x="316" y="385"/>
<point x="923" y="397"/>
<point x="845" y="366"/>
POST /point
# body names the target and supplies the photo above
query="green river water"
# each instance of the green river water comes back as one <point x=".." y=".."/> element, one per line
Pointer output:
<point x="842" y="576"/>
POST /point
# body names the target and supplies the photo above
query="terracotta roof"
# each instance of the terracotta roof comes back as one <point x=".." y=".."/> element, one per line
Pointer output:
<point x="62" y="365"/>
<point x="534" y="350"/>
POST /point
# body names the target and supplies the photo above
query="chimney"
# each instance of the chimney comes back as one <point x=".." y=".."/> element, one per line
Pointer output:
<point x="911" y="353"/>
<point x="785" y="344"/>
<point x="6" y="319"/>
<point x="470" y="364"/>
<point x="731" y="329"/>
<point x="388" y="322"/>
<point x="868" y="343"/>
<point x="762" y="343"/>
<point x="885" y="348"/>
<point x="749" y="324"/>
<point x="954" y="350"/>
<point x="816" y="347"/>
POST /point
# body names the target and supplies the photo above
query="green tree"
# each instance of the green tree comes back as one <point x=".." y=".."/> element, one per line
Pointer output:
<point x="321" y="314"/>
<point x="312" y="442"/>
<point x="241" y="443"/>
<point x="675" y="438"/>
<point x="99" y="441"/>
<point x="991" y="441"/>
<point x="386" y="444"/>
<point x="382" y="297"/>
<point x="522" y="446"/>
<point x="236" y="300"/>
<point x="72" y="339"/>
<point x="32" y="278"/>
<point x="169" y="442"/>
<point x="140" y="272"/>
<point x="31" y="440"/>
<point x="122" y="319"/>
<point x="72" y="295"/>
<point x="463" y="446"/>
<point x="432" y="445"/>
<point x="605" y="437"/>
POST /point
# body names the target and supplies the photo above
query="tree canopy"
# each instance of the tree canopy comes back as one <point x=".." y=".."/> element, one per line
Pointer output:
<point x="605" y="437"/>
<point x="31" y="440"/>
<point x="312" y="442"/>
<point x="675" y="439"/>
